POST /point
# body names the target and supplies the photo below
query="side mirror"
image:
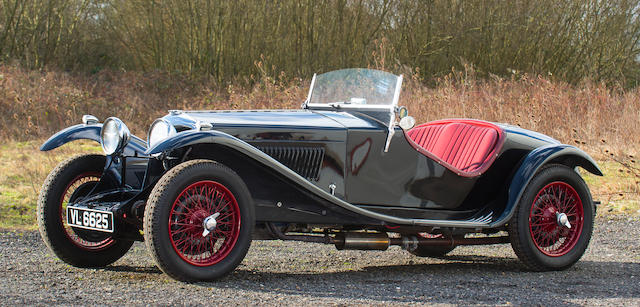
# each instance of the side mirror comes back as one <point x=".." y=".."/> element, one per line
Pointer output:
<point x="407" y="122"/>
<point x="403" y="112"/>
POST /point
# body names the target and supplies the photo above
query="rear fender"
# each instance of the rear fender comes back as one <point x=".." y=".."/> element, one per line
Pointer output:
<point x="135" y="146"/>
<point x="537" y="158"/>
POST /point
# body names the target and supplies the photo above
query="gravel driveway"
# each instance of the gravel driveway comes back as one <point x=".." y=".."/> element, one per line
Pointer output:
<point x="293" y="273"/>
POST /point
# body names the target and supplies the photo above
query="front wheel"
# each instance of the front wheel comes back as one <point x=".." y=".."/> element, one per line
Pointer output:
<point x="69" y="181"/>
<point x="553" y="222"/>
<point x="198" y="221"/>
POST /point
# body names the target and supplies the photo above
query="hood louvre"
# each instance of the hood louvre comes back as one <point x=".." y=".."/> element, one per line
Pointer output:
<point x="304" y="160"/>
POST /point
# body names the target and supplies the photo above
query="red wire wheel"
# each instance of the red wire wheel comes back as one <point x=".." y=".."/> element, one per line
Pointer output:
<point x="193" y="205"/>
<point x="552" y="224"/>
<point x="551" y="238"/>
<point x="80" y="186"/>
<point x="199" y="220"/>
<point x="67" y="183"/>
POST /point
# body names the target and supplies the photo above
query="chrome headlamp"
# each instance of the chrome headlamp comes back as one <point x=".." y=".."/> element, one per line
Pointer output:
<point x="160" y="130"/>
<point x="114" y="135"/>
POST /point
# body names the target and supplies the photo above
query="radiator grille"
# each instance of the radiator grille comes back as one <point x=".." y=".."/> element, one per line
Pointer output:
<point x="304" y="160"/>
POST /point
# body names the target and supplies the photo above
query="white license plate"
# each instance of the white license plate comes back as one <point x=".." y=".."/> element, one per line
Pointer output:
<point x="90" y="219"/>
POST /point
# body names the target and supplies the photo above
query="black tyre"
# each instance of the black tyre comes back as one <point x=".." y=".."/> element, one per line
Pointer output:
<point x="432" y="251"/>
<point x="553" y="222"/>
<point x="185" y="199"/>
<point x="70" y="180"/>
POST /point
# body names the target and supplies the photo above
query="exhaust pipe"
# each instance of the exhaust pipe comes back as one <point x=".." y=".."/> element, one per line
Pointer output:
<point x="411" y="241"/>
<point x="362" y="241"/>
<point x="381" y="241"/>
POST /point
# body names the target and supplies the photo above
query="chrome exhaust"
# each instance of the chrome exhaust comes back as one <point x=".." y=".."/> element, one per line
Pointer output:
<point x="362" y="241"/>
<point x="381" y="241"/>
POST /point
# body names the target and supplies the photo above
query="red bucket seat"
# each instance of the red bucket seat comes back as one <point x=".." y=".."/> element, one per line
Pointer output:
<point x="465" y="146"/>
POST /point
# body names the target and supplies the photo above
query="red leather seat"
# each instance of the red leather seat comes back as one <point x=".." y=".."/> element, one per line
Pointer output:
<point x="466" y="146"/>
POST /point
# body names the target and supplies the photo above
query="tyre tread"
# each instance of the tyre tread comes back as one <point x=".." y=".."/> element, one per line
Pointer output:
<point x="526" y="254"/>
<point x="99" y="258"/>
<point x="159" y="192"/>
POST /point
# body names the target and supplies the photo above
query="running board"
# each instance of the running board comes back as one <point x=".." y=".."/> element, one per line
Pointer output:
<point x="472" y="223"/>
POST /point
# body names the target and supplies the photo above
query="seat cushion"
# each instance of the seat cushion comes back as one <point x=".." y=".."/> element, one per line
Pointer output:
<point x="468" y="146"/>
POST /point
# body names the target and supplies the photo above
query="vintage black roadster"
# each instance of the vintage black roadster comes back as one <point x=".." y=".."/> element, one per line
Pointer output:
<point x="349" y="168"/>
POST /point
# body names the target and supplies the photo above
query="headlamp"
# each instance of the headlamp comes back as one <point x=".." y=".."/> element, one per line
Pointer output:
<point x="160" y="130"/>
<point x="114" y="135"/>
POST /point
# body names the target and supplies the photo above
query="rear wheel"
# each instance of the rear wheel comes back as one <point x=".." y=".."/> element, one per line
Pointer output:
<point x="69" y="181"/>
<point x="553" y="222"/>
<point x="198" y="221"/>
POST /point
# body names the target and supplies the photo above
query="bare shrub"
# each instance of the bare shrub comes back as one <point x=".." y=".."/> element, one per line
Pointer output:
<point x="590" y="115"/>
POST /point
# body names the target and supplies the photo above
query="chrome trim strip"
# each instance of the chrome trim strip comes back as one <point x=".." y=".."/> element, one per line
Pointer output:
<point x="351" y="106"/>
<point x="396" y="96"/>
<point x="392" y="118"/>
<point x="306" y="102"/>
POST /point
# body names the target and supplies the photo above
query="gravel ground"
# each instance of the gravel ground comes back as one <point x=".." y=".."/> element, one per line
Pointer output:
<point x="294" y="273"/>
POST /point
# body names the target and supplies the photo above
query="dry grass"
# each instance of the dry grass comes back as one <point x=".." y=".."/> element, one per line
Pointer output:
<point x="592" y="115"/>
<point x="603" y="121"/>
<point x="23" y="168"/>
<point x="37" y="104"/>
<point x="618" y="190"/>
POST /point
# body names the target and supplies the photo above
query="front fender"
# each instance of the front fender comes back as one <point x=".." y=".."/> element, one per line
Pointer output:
<point x="135" y="147"/>
<point x="537" y="158"/>
<point x="193" y="137"/>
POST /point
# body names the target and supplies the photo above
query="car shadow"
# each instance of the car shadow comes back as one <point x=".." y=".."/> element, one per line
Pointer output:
<point x="459" y="280"/>
<point x="133" y="269"/>
<point x="454" y="279"/>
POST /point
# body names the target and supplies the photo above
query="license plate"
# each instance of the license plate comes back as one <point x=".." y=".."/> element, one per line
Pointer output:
<point x="90" y="219"/>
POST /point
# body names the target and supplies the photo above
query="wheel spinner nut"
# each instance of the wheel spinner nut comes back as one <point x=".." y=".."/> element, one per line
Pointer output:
<point x="563" y="220"/>
<point x="209" y="224"/>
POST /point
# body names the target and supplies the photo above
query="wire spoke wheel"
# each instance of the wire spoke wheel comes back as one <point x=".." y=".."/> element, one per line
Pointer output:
<point x="78" y="187"/>
<point x="549" y="236"/>
<point x="186" y="223"/>
<point x="68" y="183"/>
<point x="552" y="225"/>
<point x="199" y="221"/>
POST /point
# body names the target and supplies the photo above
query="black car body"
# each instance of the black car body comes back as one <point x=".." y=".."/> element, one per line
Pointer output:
<point x="341" y="170"/>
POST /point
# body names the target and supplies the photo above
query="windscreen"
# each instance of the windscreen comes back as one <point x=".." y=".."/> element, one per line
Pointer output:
<point x="355" y="86"/>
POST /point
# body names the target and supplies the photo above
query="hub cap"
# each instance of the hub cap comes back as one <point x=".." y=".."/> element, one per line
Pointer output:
<point x="209" y="224"/>
<point x="204" y="223"/>
<point x="562" y="220"/>
<point x="556" y="219"/>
